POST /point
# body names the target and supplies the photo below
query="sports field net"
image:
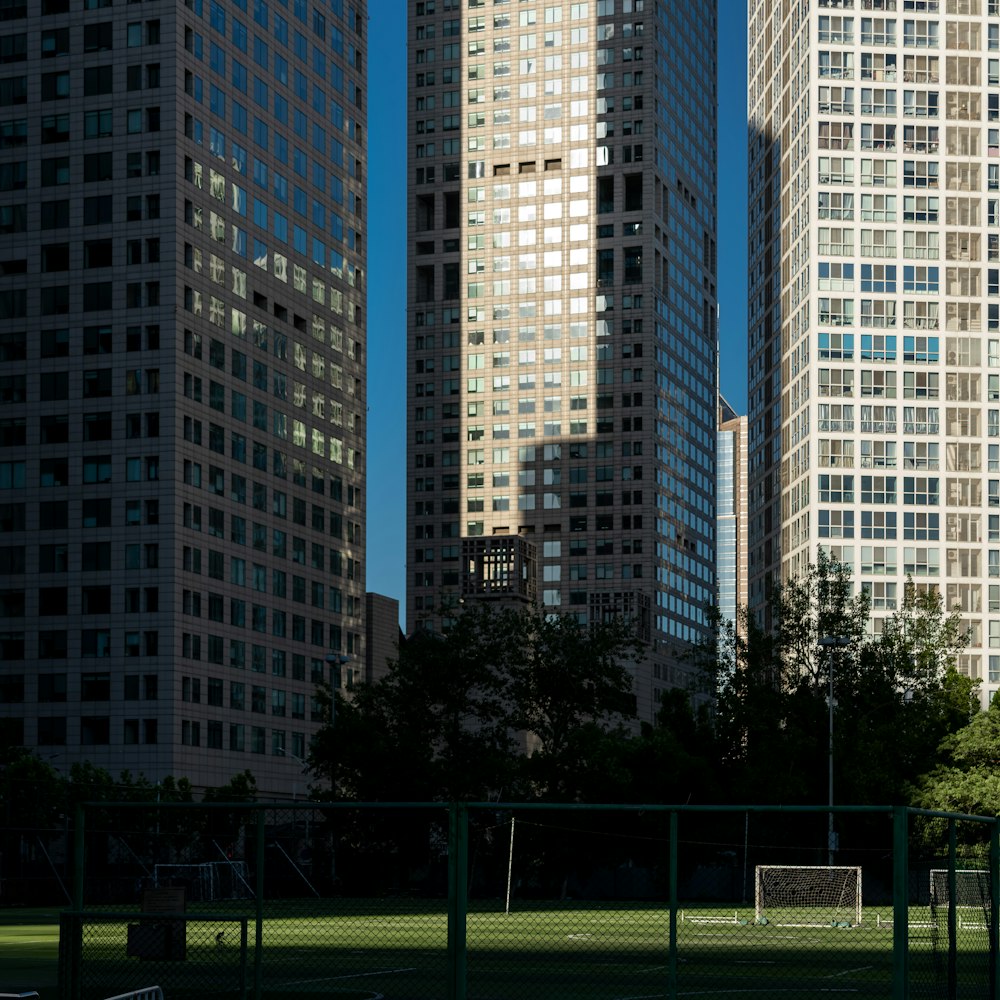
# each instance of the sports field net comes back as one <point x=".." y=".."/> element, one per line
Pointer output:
<point x="972" y="888"/>
<point x="808" y="895"/>
<point x="210" y="880"/>
<point x="545" y="903"/>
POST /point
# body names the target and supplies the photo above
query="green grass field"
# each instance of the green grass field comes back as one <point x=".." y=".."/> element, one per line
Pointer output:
<point x="29" y="946"/>
<point x="353" y="949"/>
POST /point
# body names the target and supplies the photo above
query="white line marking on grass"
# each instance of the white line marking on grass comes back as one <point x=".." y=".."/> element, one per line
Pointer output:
<point x="848" y="972"/>
<point x="356" y="975"/>
<point x="728" y="936"/>
<point x="730" y="992"/>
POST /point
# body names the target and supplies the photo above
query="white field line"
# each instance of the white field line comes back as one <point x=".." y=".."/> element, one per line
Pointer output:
<point x="784" y="924"/>
<point x="730" y="992"/>
<point x="728" y="936"/>
<point x="848" y="972"/>
<point x="355" y="975"/>
<point x="922" y="924"/>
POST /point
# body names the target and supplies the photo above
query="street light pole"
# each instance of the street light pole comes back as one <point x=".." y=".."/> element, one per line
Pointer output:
<point x="831" y="643"/>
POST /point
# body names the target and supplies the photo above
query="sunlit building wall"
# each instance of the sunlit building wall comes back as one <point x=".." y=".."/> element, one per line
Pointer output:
<point x="562" y="313"/>
<point x="875" y="302"/>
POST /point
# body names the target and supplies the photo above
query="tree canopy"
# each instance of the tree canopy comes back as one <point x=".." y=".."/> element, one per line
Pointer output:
<point x="505" y="704"/>
<point x="897" y="695"/>
<point x="967" y="778"/>
<point x="519" y="704"/>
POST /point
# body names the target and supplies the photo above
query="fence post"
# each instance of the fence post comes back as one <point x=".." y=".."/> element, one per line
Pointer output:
<point x="71" y="925"/>
<point x="900" y="903"/>
<point x="994" y="965"/>
<point x="458" y="903"/>
<point x="243" y="959"/>
<point x="952" y="929"/>
<point x="672" y="877"/>
<point x="258" y="949"/>
<point x="78" y="857"/>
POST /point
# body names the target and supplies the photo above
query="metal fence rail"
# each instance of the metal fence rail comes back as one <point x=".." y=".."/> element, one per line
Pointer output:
<point x="490" y="900"/>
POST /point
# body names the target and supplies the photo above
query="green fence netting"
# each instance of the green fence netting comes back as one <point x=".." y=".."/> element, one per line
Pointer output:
<point x="504" y="901"/>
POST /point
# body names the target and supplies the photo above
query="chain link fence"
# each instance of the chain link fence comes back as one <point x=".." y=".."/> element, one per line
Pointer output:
<point x="504" y="902"/>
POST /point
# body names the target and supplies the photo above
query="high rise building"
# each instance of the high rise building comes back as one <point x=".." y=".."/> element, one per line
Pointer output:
<point x="875" y="301"/>
<point x="731" y="512"/>
<point x="562" y="313"/>
<point x="382" y="635"/>
<point x="182" y="378"/>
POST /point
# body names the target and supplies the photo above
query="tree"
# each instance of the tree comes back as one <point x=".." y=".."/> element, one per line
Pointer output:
<point x="572" y="692"/>
<point x="898" y="698"/>
<point x="771" y="690"/>
<point x="967" y="779"/>
<point x="32" y="792"/>
<point x="456" y="711"/>
<point x="808" y="608"/>
<point x="241" y="787"/>
<point x="766" y="715"/>
<point x="435" y="727"/>
<point x="676" y="759"/>
<point x="896" y="695"/>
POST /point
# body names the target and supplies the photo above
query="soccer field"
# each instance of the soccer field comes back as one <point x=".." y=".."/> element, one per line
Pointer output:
<point x="397" y="949"/>
<point x="29" y="950"/>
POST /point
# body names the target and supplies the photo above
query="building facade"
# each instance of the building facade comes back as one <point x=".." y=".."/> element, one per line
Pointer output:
<point x="562" y="312"/>
<point x="875" y="301"/>
<point x="182" y="359"/>
<point x="382" y="635"/>
<point x="731" y="512"/>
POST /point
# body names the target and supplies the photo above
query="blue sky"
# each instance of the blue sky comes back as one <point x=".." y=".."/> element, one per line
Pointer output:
<point x="387" y="268"/>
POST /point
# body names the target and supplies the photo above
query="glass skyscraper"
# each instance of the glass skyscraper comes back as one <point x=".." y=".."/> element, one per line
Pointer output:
<point x="562" y="313"/>
<point x="182" y="378"/>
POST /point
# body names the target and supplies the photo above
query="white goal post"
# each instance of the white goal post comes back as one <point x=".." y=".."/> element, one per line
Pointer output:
<point x="207" y="881"/>
<point x="808" y="895"/>
<point x="972" y="888"/>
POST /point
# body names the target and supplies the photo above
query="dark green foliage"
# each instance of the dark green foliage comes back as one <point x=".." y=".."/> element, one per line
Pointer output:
<point x="42" y="796"/>
<point x="520" y="705"/>
<point x="456" y="712"/>
<point x="967" y="779"/>
<point x="896" y="696"/>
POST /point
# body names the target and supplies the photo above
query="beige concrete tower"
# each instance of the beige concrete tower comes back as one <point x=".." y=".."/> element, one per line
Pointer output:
<point x="561" y="311"/>
<point x="875" y="301"/>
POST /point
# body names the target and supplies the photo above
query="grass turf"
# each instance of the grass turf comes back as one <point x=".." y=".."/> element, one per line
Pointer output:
<point x="356" y="949"/>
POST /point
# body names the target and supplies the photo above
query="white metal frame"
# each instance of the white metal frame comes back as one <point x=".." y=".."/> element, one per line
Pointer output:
<point x="760" y="903"/>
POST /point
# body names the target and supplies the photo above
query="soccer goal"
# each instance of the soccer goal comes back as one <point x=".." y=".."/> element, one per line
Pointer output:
<point x="972" y="888"/>
<point x="808" y="895"/>
<point x="206" y="881"/>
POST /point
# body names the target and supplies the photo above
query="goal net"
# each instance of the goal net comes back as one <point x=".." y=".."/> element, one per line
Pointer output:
<point x="808" y="895"/>
<point x="206" y="881"/>
<point x="972" y="888"/>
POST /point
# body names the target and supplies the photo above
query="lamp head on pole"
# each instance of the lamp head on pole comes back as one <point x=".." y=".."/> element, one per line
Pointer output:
<point x="834" y="641"/>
